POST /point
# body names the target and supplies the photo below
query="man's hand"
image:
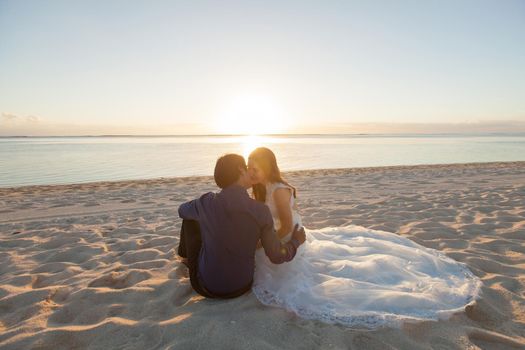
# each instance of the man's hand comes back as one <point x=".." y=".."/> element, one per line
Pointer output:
<point x="298" y="234"/>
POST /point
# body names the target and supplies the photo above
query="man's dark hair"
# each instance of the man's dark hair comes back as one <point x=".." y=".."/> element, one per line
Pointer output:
<point x="228" y="169"/>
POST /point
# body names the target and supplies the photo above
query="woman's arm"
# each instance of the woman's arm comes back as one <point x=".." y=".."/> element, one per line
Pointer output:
<point x="281" y="197"/>
<point x="276" y="251"/>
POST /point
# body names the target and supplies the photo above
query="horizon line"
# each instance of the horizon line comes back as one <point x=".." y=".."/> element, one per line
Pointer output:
<point x="273" y="134"/>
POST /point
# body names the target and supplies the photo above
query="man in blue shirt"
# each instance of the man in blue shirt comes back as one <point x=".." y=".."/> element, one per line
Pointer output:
<point x="220" y="232"/>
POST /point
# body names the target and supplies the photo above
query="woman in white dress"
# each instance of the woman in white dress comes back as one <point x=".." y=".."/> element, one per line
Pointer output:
<point x="352" y="275"/>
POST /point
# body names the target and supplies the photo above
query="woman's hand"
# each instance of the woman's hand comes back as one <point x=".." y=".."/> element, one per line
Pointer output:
<point x="299" y="234"/>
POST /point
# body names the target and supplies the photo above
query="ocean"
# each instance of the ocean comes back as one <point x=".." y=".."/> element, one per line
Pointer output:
<point x="65" y="160"/>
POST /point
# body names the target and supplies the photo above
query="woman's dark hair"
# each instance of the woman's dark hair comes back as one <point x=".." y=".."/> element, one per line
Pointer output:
<point x="265" y="158"/>
<point x="228" y="169"/>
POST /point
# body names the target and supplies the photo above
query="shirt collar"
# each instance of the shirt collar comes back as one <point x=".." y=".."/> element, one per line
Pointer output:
<point x="235" y="189"/>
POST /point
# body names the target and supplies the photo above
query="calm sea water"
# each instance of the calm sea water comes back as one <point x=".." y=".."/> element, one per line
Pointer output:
<point x="60" y="160"/>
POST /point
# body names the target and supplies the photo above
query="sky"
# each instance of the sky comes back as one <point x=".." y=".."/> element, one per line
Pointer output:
<point x="206" y="67"/>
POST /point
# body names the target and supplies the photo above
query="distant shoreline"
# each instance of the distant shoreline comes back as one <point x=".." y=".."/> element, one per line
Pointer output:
<point x="312" y="172"/>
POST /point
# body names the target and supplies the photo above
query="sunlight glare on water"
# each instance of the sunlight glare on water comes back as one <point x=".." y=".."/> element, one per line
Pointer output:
<point x="56" y="160"/>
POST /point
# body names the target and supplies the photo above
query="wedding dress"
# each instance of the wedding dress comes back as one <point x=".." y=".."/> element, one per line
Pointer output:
<point x="360" y="277"/>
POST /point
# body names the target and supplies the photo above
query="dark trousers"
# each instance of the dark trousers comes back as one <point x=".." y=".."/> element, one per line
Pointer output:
<point x="189" y="247"/>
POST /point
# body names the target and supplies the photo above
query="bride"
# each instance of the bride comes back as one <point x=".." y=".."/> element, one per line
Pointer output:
<point x="352" y="275"/>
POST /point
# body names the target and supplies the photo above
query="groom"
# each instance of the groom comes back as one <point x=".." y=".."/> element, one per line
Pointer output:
<point x="220" y="232"/>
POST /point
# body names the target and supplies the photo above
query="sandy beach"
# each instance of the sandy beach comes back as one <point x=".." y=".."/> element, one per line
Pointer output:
<point x="94" y="266"/>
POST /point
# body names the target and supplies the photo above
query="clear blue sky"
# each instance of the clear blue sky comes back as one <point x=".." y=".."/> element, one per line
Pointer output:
<point x="233" y="66"/>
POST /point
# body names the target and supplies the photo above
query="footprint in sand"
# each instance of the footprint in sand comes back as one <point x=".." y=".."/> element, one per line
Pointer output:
<point x="491" y="340"/>
<point x="141" y="255"/>
<point x="128" y="201"/>
<point x="116" y="280"/>
<point x="77" y="255"/>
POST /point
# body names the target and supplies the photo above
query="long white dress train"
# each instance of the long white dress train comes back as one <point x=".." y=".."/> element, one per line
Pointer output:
<point x="363" y="278"/>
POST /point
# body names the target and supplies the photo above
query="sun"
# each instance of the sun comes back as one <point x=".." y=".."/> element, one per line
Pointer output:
<point x="251" y="114"/>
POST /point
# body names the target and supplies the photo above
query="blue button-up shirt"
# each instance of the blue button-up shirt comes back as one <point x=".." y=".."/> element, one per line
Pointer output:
<point x="231" y="224"/>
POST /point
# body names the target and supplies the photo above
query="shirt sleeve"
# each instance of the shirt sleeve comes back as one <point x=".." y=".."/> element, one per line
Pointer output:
<point x="277" y="252"/>
<point x="193" y="210"/>
<point x="189" y="210"/>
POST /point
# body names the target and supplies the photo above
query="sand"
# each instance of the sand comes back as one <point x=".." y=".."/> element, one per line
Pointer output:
<point x="94" y="266"/>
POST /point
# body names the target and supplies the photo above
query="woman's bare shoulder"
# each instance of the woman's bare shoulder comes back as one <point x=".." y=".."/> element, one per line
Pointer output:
<point x="282" y="193"/>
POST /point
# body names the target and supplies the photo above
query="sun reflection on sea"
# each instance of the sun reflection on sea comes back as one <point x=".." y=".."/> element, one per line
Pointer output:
<point x="251" y="142"/>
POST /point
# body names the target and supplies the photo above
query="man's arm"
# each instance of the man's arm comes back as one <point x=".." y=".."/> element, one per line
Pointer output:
<point x="189" y="210"/>
<point x="193" y="209"/>
<point x="274" y="249"/>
